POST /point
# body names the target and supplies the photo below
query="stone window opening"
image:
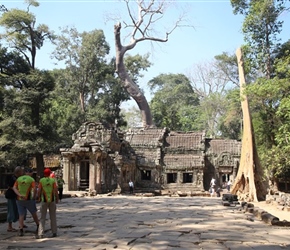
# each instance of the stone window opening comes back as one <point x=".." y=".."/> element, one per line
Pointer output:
<point x="172" y="178"/>
<point x="187" y="177"/>
<point x="146" y="175"/>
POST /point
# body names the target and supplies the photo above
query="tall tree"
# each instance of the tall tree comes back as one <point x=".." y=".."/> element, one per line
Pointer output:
<point x="22" y="34"/>
<point x="261" y="27"/>
<point x="63" y="113"/>
<point x="84" y="55"/>
<point x="248" y="184"/>
<point x="23" y="129"/>
<point x="230" y="121"/>
<point x="272" y="131"/>
<point x="24" y="37"/>
<point x="91" y="76"/>
<point x="212" y="81"/>
<point x="149" y="12"/>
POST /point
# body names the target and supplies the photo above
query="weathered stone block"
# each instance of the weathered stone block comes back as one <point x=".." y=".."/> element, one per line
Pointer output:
<point x="250" y="210"/>
<point x="164" y="192"/>
<point x="226" y="203"/>
<point x="269" y="218"/>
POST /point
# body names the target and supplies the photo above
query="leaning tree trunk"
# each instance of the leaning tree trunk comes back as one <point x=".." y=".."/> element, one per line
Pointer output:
<point x="127" y="81"/>
<point x="248" y="184"/>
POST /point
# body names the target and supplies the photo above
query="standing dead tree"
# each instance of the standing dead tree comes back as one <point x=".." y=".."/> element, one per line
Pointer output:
<point x="248" y="185"/>
<point x="149" y="12"/>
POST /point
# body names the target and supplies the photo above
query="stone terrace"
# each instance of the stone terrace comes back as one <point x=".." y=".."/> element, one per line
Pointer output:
<point x="130" y="222"/>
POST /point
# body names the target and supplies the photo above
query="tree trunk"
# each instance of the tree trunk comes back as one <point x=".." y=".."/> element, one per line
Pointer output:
<point x="39" y="164"/>
<point x="126" y="80"/>
<point x="248" y="184"/>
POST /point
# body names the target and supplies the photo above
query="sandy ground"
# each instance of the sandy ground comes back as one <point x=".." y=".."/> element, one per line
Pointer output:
<point x="274" y="210"/>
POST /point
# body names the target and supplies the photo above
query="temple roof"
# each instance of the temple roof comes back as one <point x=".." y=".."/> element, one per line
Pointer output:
<point x="186" y="141"/>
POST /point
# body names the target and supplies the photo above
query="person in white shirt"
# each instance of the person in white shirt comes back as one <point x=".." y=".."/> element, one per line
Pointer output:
<point x="212" y="186"/>
<point x="229" y="185"/>
<point x="131" y="186"/>
<point x="212" y="182"/>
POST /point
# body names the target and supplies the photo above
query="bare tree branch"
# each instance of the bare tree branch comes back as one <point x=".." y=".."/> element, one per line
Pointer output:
<point x="148" y="14"/>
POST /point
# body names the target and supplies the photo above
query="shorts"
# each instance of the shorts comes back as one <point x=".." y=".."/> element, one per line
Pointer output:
<point x="29" y="205"/>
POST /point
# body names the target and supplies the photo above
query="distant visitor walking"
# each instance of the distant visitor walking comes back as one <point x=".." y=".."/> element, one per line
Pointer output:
<point x="212" y="187"/>
<point x="229" y="185"/>
<point x="131" y="186"/>
<point x="60" y="183"/>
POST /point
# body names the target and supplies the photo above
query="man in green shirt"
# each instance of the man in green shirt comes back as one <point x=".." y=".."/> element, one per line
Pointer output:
<point x="25" y="189"/>
<point x="60" y="183"/>
<point x="48" y="194"/>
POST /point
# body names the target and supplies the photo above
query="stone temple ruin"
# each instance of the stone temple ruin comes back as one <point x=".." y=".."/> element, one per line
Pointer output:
<point x="104" y="159"/>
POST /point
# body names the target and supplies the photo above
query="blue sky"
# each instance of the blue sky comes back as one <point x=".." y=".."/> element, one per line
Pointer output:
<point x="216" y="30"/>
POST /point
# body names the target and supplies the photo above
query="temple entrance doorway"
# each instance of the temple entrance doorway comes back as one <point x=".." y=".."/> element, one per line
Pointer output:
<point x="84" y="175"/>
<point x="225" y="174"/>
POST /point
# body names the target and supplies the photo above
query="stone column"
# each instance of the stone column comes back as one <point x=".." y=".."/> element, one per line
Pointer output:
<point x="179" y="178"/>
<point x="92" y="174"/>
<point x="75" y="174"/>
<point x="99" y="176"/>
<point x="194" y="177"/>
<point x="200" y="179"/>
<point x="66" y="173"/>
<point x="117" y="174"/>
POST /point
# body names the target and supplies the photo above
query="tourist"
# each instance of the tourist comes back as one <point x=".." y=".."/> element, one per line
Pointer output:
<point x="131" y="186"/>
<point x="48" y="194"/>
<point x="24" y="187"/>
<point x="212" y="182"/>
<point x="229" y="185"/>
<point x="218" y="192"/>
<point x="29" y="171"/>
<point x="10" y="195"/>
<point x="212" y="187"/>
<point x="60" y="183"/>
<point x="211" y="191"/>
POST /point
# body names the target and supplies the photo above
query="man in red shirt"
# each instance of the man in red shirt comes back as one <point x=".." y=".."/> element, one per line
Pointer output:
<point x="48" y="194"/>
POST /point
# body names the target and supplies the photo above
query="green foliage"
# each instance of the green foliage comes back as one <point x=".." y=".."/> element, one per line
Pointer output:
<point x="11" y="63"/>
<point x="21" y="33"/>
<point x="106" y="107"/>
<point x="23" y="129"/>
<point x="261" y="28"/>
<point x="228" y="66"/>
<point x="63" y="112"/>
<point x="174" y="102"/>
<point x="86" y="67"/>
<point x="91" y="77"/>
<point x="25" y="92"/>
<point x="268" y="94"/>
<point x="270" y="110"/>
<point x="230" y="122"/>
<point x="135" y="64"/>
